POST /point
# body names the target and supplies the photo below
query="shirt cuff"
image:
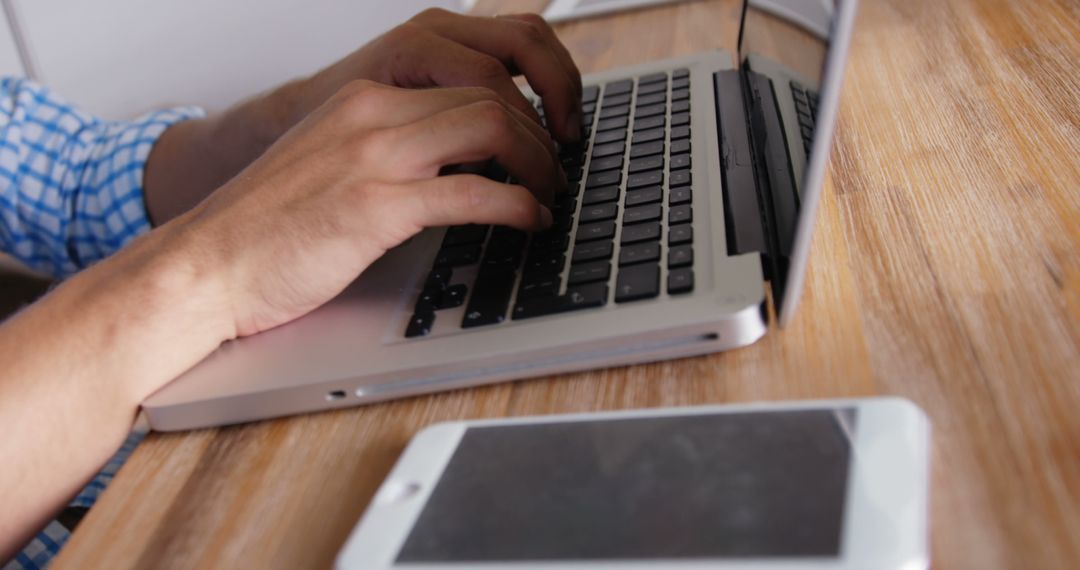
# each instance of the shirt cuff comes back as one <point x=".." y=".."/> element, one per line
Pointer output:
<point x="110" y="209"/>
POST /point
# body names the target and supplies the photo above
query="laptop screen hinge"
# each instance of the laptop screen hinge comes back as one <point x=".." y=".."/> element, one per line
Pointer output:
<point x="742" y="204"/>
<point x="760" y="202"/>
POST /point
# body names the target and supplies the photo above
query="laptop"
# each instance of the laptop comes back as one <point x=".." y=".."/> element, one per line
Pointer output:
<point x="693" y="198"/>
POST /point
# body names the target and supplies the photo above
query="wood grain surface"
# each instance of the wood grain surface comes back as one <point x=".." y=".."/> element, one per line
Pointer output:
<point x="945" y="269"/>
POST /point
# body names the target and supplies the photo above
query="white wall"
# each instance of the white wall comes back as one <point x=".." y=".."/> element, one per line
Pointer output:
<point x="119" y="58"/>
<point x="9" y="57"/>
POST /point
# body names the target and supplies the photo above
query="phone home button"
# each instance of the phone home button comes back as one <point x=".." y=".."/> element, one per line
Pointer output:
<point x="393" y="492"/>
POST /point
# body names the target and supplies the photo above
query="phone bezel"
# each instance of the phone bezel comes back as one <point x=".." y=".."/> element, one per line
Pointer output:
<point x="885" y="510"/>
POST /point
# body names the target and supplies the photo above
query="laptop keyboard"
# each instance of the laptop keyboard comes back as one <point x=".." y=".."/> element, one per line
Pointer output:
<point x="806" y="102"/>
<point x="624" y="224"/>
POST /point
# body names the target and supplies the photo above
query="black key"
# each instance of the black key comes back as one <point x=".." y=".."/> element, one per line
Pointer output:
<point x="454" y="296"/>
<point x="612" y="123"/>
<point x="680" y="94"/>
<point x="680" y="281"/>
<point x="586" y="119"/>
<point x="602" y="150"/>
<point x="589" y="107"/>
<point x="652" y="88"/>
<point x="495" y="172"/>
<point x="565" y="202"/>
<point x="561" y="221"/>
<point x="607" y="163"/>
<point x="458" y="255"/>
<point x="549" y="241"/>
<point x="682" y="132"/>
<point x="419" y="324"/>
<point x="649" y="123"/>
<point x="608" y="178"/>
<point x="428" y="301"/>
<point x="637" y="282"/>
<point x="571" y="158"/>
<point x="573" y="188"/>
<point x="650" y="110"/>
<point x="683" y="233"/>
<point x="640" y="179"/>
<point x="589" y="94"/>
<point x="644" y="196"/>
<point x="638" y="214"/>
<point x="580" y="297"/>
<point x="439" y="278"/>
<point x="616" y="111"/>
<point x="680" y="255"/>
<point x="490" y="298"/>
<point x="609" y="136"/>
<point x="651" y="78"/>
<point x="506" y="248"/>
<point x="600" y="195"/>
<point x="804" y="121"/>
<point x="539" y="286"/>
<point x="616" y="100"/>
<point x="599" y="212"/>
<point x="680" y="73"/>
<point x="467" y="234"/>
<point x="546" y="263"/>
<point x="679" y="178"/>
<point x="595" y="231"/>
<point x="677" y="147"/>
<point x="807" y="133"/>
<point x="680" y="83"/>
<point x="681" y="195"/>
<point x="592" y="251"/>
<point x="639" y="253"/>
<point x="622" y="86"/>
<point x="680" y="106"/>
<point x="589" y="272"/>
<point x="677" y="161"/>
<point x="641" y="232"/>
<point x="647" y="135"/>
<point x="680" y="215"/>
<point x="650" y="99"/>
<point x="803" y="108"/>
<point x="679" y="119"/>
<point x="646" y="163"/>
<point x="650" y="148"/>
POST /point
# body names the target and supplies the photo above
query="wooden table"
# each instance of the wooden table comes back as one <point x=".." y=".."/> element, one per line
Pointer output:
<point x="945" y="268"/>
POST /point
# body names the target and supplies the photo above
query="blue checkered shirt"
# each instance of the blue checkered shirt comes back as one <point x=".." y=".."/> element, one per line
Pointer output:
<point x="70" y="184"/>
<point x="71" y="194"/>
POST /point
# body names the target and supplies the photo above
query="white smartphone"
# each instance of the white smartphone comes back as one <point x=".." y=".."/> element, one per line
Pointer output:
<point x="840" y="484"/>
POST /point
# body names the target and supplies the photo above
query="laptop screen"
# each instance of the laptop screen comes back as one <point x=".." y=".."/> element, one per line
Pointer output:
<point x="792" y="55"/>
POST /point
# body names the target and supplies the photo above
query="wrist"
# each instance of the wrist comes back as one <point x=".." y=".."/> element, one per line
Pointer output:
<point x="160" y="310"/>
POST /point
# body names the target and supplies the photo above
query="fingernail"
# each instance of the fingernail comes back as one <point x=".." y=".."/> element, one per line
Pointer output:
<point x="545" y="217"/>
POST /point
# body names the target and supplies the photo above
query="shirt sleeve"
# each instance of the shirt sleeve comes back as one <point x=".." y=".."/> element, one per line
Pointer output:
<point x="71" y="185"/>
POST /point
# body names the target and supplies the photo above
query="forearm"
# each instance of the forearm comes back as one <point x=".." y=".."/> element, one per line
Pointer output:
<point x="194" y="158"/>
<point x="77" y="364"/>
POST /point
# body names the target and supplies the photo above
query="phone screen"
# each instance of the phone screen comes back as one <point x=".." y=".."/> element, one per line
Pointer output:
<point x="742" y="485"/>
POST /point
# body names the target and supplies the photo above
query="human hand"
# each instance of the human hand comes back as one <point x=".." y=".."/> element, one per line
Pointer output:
<point x="441" y="48"/>
<point x="435" y="48"/>
<point x="357" y="177"/>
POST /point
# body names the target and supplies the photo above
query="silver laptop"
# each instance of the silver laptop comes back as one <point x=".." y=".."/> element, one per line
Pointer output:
<point x="695" y="193"/>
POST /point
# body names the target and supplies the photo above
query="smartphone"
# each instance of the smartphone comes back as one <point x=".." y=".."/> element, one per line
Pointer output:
<point x="839" y="484"/>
